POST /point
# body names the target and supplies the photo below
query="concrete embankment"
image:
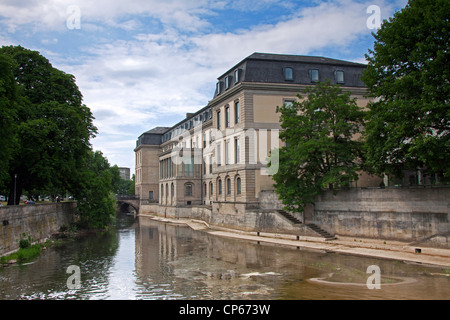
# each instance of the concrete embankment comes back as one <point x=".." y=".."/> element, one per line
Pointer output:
<point x="36" y="222"/>
<point x="390" y="249"/>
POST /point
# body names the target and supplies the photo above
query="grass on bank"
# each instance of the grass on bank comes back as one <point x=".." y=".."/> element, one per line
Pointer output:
<point x="23" y="255"/>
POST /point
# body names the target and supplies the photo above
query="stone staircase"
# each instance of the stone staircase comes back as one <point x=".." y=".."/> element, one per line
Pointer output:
<point x="289" y="216"/>
<point x="311" y="226"/>
<point x="320" y="231"/>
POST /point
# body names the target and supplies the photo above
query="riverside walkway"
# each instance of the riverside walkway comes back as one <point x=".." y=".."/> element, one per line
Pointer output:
<point x="387" y="249"/>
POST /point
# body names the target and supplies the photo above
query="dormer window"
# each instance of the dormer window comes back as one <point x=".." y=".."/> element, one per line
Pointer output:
<point x="314" y="75"/>
<point x="288" y="74"/>
<point x="227" y="82"/>
<point x="339" y="76"/>
<point x="218" y="88"/>
<point x="237" y="75"/>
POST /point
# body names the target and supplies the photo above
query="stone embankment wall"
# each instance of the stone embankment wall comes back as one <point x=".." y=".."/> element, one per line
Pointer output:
<point x="407" y="214"/>
<point x="38" y="222"/>
<point x="264" y="221"/>
<point x="410" y="214"/>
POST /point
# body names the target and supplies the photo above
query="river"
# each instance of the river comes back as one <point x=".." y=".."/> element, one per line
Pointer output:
<point x="147" y="259"/>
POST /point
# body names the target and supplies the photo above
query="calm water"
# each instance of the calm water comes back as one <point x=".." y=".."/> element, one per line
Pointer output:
<point x="145" y="259"/>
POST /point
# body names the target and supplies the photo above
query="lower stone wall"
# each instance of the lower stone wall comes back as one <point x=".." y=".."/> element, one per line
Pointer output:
<point x="36" y="221"/>
<point x="410" y="214"/>
<point x="407" y="214"/>
<point x="268" y="221"/>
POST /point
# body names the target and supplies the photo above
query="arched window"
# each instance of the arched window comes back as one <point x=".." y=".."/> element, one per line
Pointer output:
<point x="228" y="186"/>
<point x="238" y="185"/>
<point x="211" y="189"/>
<point x="219" y="186"/>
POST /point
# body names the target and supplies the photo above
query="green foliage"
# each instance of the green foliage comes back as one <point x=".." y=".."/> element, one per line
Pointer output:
<point x="23" y="255"/>
<point x="49" y="127"/>
<point x="320" y="150"/>
<point x="24" y="243"/>
<point x="8" y="107"/>
<point x="409" y="123"/>
<point x="96" y="201"/>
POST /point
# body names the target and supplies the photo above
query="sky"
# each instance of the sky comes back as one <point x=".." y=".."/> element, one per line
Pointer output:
<point x="141" y="64"/>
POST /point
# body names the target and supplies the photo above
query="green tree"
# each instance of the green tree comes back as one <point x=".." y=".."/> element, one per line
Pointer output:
<point x="52" y="126"/>
<point x="96" y="201"/>
<point x="408" y="123"/>
<point x="8" y="107"/>
<point x="131" y="189"/>
<point x="320" y="149"/>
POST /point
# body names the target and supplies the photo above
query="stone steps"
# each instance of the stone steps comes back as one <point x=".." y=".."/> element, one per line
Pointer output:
<point x="289" y="216"/>
<point x="320" y="231"/>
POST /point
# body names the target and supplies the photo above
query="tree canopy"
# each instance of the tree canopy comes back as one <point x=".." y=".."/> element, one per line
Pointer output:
<point x="52" y="128"/>
<point x="320" y="150"/>
<point x="408" y="123"/>
<point x="45" y="137"/>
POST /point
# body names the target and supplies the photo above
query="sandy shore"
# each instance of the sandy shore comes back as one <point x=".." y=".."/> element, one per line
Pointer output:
<point x="387" y="249"/>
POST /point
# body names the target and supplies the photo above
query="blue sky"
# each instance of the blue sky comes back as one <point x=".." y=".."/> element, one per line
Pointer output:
<point x="146" y="63"/>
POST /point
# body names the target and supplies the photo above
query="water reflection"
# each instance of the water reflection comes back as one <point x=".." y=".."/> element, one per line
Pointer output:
<point x="146" y="259"/>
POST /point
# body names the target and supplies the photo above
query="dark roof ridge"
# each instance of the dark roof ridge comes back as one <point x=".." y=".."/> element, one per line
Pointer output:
<point x="293" y="58"/>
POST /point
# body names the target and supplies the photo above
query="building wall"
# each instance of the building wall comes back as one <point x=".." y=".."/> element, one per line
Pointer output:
<point x="147" y="172"/>
<point x="260" y="88"/>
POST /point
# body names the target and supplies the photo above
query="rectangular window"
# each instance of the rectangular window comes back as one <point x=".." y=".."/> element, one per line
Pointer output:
<point x="227" y="117"/>
<point x="288" y="103"/>
<point x="314" y="75"/>
<point x="210" y="165"/>
<point x="227" y="82"/>
<point x="188" y="190"/>
<point x="288" y="74"/>
<point x="218" y="120"/>
<point x="219" y="154"/>
<point x="227" y="152"/>
<point x="237" y="117"/>
<point x="218" y="87"/>
<point x="236" y="76"/>
<point x="236" y="151"/>
<point x="340" y="76"/>
<point x="150" y="195"/>
<point x="189" y="167"/>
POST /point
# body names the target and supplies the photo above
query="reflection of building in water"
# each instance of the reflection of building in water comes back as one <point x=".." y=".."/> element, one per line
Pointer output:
<point x="219" y="267"/>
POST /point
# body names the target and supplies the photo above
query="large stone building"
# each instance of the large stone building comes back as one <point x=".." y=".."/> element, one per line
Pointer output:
<point x="216" y="158"/>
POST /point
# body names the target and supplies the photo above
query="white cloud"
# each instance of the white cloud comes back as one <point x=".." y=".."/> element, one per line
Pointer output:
<point x="136" y="83"/>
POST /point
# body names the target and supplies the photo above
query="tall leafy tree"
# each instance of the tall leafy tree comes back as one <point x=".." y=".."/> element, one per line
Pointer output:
<point x="321" y="151"/>
<point x="408" y="75"/>
<point x="8" y="107"/>
<point x="52" y="126"/>
<point x="96" y="201"/>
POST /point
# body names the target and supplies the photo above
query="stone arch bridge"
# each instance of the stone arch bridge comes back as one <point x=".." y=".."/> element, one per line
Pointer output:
<point x="128" y="204"/>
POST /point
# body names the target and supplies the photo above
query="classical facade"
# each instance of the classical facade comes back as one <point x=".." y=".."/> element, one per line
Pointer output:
<point x="217" y="157"/>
